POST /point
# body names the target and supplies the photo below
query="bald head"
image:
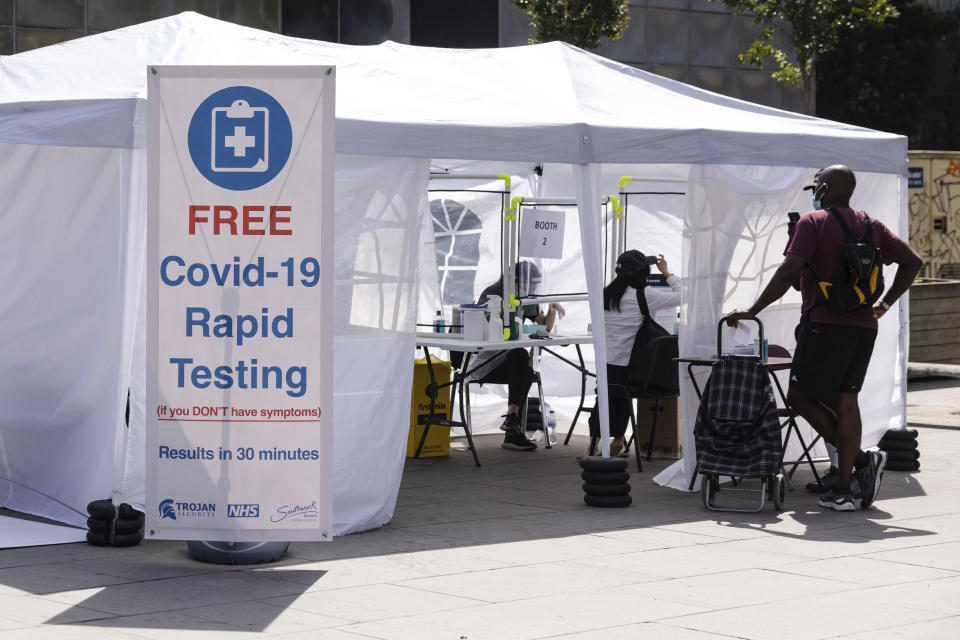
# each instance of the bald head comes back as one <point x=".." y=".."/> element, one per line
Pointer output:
<point x="835" y="185"/>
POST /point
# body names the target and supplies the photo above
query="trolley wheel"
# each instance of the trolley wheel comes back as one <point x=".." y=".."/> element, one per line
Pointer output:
<point x="779" y="490"/>
<point x="707" y="489"/>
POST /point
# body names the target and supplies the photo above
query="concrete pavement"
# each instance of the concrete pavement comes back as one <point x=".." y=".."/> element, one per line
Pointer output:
<point x="509" y="551"/>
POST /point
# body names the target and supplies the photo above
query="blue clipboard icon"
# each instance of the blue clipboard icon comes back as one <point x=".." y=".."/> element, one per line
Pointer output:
<point x="240" y="138"/>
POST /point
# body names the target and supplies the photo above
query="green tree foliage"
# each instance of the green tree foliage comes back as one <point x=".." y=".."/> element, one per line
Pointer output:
<point x="812" y="27"/>
<point x="903" y="77"/>
<point x="582" y="23"/>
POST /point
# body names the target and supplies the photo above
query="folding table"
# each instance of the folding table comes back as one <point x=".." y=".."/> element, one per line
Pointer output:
<point x="456" y="342"/>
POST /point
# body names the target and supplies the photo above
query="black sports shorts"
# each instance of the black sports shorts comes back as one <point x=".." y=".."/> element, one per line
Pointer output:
<point x="831" y="359"/>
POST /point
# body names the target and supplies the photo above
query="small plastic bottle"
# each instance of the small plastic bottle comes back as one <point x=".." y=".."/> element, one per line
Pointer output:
<point x="438" y="323"/>
<point x="551" y="427"/>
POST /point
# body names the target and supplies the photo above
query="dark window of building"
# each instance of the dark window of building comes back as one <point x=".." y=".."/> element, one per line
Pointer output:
<point x="114" y="14"/>
<point x="57" y="14"/>
<point x="314" y="19"/>
<point x="465" y="24"/>
<point x="258" y="14"/>
<point x="6" y="41"/>
<point x="365" y="21"/>
<point x="6" y="11"/>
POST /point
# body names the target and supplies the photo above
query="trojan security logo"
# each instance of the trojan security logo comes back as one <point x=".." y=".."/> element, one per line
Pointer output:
<point x="175" y="510"/>
<point x="240" y="138"/>
<point x="167" y="510"/>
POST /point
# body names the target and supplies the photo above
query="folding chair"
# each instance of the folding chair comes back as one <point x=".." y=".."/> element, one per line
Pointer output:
<point x="788" y="421"/>
<point x="659" y="379"/>
<point x="463" y="380"/>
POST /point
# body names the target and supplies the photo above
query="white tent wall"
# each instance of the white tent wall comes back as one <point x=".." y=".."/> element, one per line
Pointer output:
<point x="377" y="227"/>
<point x="68" y="316"/>
<point x="132" y="486"/>
<point x="734" y="236"/>
<point x="379" y="205"/>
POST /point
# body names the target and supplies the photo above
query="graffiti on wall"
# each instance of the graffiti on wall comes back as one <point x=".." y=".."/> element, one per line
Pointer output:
<point x="935" y="218"/>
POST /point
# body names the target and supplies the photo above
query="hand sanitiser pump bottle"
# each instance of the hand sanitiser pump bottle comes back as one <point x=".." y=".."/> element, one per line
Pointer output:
<point x="495" y="323"/>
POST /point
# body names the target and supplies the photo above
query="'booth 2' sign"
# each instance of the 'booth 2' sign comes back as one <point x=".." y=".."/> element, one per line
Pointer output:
<point x="541" y="233"/>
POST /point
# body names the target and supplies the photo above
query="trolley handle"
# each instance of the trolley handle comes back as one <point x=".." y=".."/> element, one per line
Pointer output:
<point x="720" y="334"/>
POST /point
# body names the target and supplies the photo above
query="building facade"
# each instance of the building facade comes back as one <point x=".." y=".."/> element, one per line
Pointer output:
<point x="694" y="41"/>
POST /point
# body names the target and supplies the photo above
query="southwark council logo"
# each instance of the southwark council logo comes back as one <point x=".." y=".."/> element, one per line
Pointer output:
<point x="295" y="512"/>
<point x="240" y="138"/>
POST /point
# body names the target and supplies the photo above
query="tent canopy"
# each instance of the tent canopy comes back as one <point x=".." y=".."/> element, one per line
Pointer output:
<point x="550" y="102"/>
<point x="72" y="148"/>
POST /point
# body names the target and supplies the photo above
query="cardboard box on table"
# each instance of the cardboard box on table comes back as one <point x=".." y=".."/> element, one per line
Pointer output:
<point x="438" y="439"/>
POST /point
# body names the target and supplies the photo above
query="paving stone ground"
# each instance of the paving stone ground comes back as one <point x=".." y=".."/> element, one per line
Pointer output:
<point x="509" y="551"/>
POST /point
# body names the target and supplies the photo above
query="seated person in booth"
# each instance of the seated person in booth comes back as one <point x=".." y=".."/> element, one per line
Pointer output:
<point x="621" y="319"/>
<point x="512" y="367"/>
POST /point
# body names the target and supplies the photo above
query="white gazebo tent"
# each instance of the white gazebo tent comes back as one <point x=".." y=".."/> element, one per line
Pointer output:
<point x="73" y="209"/>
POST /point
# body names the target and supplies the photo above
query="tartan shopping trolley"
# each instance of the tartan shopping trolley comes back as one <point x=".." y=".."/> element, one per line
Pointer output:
<point x="737" y="431"/>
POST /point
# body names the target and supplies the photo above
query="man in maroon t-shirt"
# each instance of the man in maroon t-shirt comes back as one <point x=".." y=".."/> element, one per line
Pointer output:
<point x="834" y="349"/>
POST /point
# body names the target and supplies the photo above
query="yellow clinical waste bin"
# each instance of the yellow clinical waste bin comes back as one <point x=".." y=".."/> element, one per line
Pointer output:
<point x="438" y="438"/>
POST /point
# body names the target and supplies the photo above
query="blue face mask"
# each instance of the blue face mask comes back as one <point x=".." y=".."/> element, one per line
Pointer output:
<point x="817" y="194"/>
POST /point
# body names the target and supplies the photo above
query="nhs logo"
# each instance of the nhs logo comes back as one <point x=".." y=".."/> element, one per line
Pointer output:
<point x="243" y="510"/>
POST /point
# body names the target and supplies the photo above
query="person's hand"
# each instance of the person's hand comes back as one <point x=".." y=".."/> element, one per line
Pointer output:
<point x="558" y="308"/>
<point x="879" y="311"/>
<point x="662" y="265"/>
<point x="733" y="319"/>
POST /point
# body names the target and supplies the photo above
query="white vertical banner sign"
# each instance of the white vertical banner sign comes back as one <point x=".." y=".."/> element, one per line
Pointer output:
<point x="240" y="282"/>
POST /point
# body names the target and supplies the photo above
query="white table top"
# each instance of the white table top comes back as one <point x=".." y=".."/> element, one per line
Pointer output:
<point x="454" y="342"/>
